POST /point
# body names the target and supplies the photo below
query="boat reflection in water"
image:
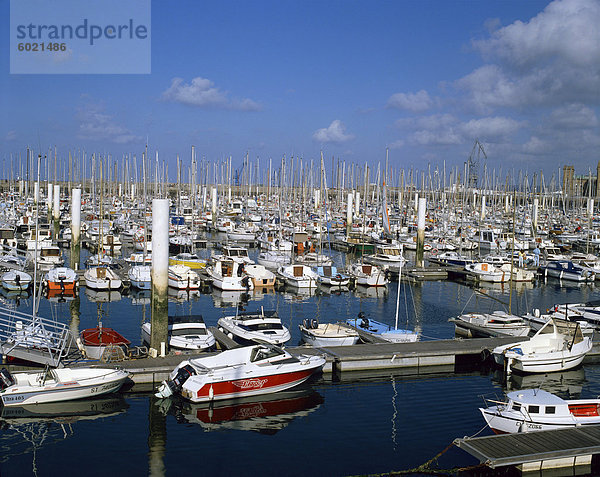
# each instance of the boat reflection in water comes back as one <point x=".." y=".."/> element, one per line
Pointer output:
<point x="140" y="297"/>
<point x="371" y="292"/>
<point x="65" y="411"/>
<point x="14" y="295"/>
<point x="566" y="384"/>
<point x="61" y="296"/>
<point x="26" y="429"/>
<point x="291" y="293"/>
<point x="266" y="414"/>
<point x="102" y="296"/>
<point x="227" y="299"/>
<point x="180" y="296"/>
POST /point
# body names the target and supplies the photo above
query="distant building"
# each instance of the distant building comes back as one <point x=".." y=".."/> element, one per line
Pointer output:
<point x="580" y="185"/>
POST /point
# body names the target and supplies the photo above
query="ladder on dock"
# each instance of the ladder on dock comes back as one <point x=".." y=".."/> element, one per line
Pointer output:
<point x="34" y="338"/>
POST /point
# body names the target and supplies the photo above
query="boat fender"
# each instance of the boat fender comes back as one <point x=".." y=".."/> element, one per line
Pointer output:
<point x="306" y="323"/>
<point x="314" y="323"/>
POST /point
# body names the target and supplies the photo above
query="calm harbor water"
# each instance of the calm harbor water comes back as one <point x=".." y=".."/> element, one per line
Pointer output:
<point x="359" y="425"/>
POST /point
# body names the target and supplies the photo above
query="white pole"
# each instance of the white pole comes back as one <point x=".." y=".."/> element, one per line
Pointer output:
<point x="76" y="217"/>
<point x="160" y="273"/>
<point x="49" y="198"/>
<point x="56" y="202"/>
<point x="349" y="213"/>
<point x="422" y="208"/>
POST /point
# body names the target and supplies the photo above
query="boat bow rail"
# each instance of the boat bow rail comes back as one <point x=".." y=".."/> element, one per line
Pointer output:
<point x="33" y="338"/>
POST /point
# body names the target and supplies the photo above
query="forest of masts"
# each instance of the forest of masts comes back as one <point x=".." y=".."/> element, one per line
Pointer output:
<point x="294" y="178"/>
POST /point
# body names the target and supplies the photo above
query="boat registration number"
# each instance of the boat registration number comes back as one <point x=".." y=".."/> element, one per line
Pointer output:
<point x="98" y="389"/>
<point x="15" y="398"/>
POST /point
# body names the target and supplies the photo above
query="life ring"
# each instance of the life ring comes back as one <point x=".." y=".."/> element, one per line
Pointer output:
<point x="435" y="251"/>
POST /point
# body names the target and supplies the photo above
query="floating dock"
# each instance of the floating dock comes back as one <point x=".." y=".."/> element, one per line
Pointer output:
<point x="537" y="451"/>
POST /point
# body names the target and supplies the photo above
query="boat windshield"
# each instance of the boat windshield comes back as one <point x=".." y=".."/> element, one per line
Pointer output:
<point x="260" y="353"/>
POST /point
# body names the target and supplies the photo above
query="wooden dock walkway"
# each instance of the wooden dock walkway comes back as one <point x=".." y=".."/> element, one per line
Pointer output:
<point x="534" y="451"/>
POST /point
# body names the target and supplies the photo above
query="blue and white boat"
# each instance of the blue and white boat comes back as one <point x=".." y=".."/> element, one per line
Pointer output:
<point x="140" y="276"/>
<point x="451" y="258"/>
<point x="383" y="330"/>
<point x="567" y="270"/>
<point x="330" y="276"/>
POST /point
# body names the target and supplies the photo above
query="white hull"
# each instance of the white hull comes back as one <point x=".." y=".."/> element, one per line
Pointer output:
<point x="62" y="384"/>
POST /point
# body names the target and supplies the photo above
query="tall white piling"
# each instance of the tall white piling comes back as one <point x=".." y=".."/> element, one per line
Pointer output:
<point x="416" y="201"/>
<point x="75" y="228"/>
<point x="56" y="198"/>
<point x="160" y="275"/>
<point x="534" y="219"/>
<point x="49" y="199"/>
<point x="214" y="206"/>
<point x="349" y="213"/>
<point x="316" y="198"/>
<point x="357" y="204"/>
<point x="506" y="207"/>
<point x="483" y="207"/>
<point x="132" y="192"/>
<point x="36" y="193"/>
<point x="422" y="208"/>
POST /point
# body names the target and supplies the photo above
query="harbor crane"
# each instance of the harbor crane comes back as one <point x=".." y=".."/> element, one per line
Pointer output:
<point x="474" y="157"/>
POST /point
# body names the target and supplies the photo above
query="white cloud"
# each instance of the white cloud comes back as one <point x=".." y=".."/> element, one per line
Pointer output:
<point x="11" y="135"/>
<point x="96" y="125"/>
<point x="490" y="127"/>
<point x="551" y="59"/>
<point x="573" y="116"/>
<point x="415" y="102"/>
<point x="202" y="93"/>
<point x="335" y="133"/>
<point x="399" y="144"/>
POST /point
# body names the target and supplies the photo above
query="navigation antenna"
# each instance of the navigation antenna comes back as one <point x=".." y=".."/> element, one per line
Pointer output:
<point x="476" y="152"/>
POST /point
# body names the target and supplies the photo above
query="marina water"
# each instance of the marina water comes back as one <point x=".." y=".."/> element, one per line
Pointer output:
<point x="360" y="424"/>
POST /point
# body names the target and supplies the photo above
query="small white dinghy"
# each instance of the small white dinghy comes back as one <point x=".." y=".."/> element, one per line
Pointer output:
<point x="558" y="346"/>
<point x="327" y="334"/>
<point x="60" y="384"/>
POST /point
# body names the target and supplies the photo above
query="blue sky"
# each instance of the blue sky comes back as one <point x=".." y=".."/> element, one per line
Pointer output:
<point x="350" y="78"/>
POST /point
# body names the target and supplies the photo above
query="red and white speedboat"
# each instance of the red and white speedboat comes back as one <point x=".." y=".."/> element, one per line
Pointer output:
<point x="239" y="372"/>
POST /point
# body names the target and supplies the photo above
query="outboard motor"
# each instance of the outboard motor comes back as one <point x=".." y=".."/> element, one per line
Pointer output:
<point x="171" y="386"/>
<point x="6" y="379"/>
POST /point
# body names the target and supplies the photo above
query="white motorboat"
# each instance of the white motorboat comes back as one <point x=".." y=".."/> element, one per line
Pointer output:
<point x="274" y="259"/>
<point x="498" y="322"/>
<point x="228" y="274"/>
<point x="368" y="275"/>
<point x="314" y="259"/>
<point x="185" y="332"/>
<point x="387" y="256"/>
<point x="238" y="372"/>
<point x="140" y="276"/>
<point x="16" y="280"/>
<point x="558" y="346"/>
<point x="530" y="410"/>
<point x="259" y="326"/>
<point x="260" y="276"/>
<point x="297" y="275"/>
<point x="61" y="384"/>
<point x="486" y="272"/>
<point x="182" y="277"/>
<point x="327" y="334"/>
<point x="330" y="276"/>
<point x="102" y="278"/>
<point x="518" y="274"/>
